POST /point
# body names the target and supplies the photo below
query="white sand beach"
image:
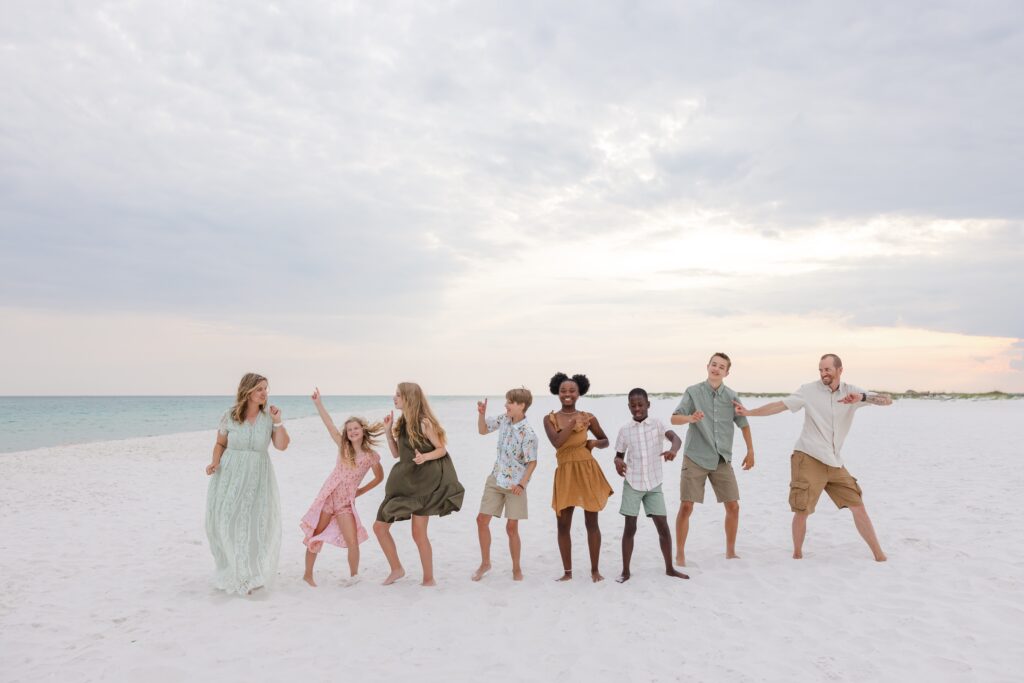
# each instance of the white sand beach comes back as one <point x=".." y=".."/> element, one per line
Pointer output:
<point x="105" y="571"/>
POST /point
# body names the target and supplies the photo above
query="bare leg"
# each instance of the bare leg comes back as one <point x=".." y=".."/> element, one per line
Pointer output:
<point x="732" y="523"/>
<point x="483" y="532"/>
<point x="387" y="543"/>
<point x="665" y="541"/>
<point x="419" y="535"/>
<point x="347" y="524"/>
<point x="628" y="535"/>
<point x="799" y="531"/>
<point x="565" y="542"/>
<point x="515" y="545"/>
<point x="683" y="530"/>
<point x="867" y="531"/>
<point x="324" y="520"/>
<point x="593" y="543"/>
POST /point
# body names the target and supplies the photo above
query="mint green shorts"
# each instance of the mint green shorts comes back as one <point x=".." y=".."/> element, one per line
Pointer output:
<point x="653" y="500"/>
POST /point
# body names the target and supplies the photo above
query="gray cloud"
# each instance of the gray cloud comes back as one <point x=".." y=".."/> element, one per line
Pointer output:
<point x="174" y="157"/>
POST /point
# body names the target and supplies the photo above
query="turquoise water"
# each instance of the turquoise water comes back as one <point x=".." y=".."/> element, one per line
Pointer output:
<point x="37" y="421"/>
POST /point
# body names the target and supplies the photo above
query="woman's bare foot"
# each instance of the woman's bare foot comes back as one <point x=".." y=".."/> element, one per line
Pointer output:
<point x="797" y="555"/>
<point x="680" y="560"/>
<point x="678" y="575"/>
<point x="623" y="577"/>
<point x="567" y="576"/>
<point x="595" y="576"/>
<point x="394" y="576"/>
<point x="731" y="555"/>
<point x="481" y="571"/>
<point x="428" y="582"/>
<point x="880" y="557"/>
<point x="517" y="574"/>
<point x="308" y="578"/>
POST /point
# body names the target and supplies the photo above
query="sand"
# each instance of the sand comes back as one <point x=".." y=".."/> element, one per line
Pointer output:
<point x="105" y="570"/>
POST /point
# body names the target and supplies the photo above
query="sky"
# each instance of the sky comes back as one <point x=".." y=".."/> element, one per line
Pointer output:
<point x="475" y="195"/>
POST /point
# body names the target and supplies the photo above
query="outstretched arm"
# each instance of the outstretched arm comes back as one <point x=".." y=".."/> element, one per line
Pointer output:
<point x="874" y="398"/>
<point x="389" y="419"/>
<point x="773" y="408"/>
<point x="332" y="429"/>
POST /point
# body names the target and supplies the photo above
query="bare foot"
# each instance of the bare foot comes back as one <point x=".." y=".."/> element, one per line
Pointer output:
<point x="428" y="582"/>
<point x="731" y="555"/>
<point x="517" y="574"/>
<point x="481" y="570"/>
<point x="623" y="577"/>
<point x="880" y="557"/>
<point x="680" y="560"/>
<point x="798" y="555"/>
<point x="678" y="575"/>
<point x="595" y="576"/>
<point x="394" y="576"/>
<point x="567" y="576"/>
<point x="309" y="579"/>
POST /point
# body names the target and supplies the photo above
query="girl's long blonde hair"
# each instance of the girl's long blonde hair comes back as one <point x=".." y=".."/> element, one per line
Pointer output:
<point x="416" y="410"/>
<point x="371" y="434"/>
<point x="250" y="381"/>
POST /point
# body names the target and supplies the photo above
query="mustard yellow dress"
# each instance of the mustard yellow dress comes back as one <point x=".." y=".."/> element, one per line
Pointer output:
<point x="579" y="481"/>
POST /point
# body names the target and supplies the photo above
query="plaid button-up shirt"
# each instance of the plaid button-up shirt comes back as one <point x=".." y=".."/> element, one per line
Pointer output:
<point x="643" y="443"/>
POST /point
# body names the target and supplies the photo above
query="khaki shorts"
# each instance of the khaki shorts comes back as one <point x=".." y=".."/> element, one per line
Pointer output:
<point x="496" y="499"/>
<point x="811" y="476"/>
<point x="723" y="481"/>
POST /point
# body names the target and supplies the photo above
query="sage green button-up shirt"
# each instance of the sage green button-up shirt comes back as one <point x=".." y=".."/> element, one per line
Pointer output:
<point x="710" y="439"/>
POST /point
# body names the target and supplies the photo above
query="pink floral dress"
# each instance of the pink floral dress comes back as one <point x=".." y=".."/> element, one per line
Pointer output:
<point x="337" y="496"/>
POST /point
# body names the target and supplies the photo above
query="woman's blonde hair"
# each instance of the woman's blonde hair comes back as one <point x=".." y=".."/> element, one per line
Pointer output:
<point x="416" y="410"/>
<point x="250" y="381"/>
<point x="371" y="433"/>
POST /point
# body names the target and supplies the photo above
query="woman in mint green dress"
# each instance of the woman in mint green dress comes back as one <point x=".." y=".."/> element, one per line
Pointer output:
<point x="243" y="511"/>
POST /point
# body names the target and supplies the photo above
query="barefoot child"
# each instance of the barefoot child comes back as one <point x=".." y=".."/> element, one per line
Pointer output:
<point x="423" y="482"/>
<point x="332" y="517"/>
<point x="709" y="409"/>
<point x="578" y="481"/>
<point x="506" y="486"/>
<point x="638" y="460"/>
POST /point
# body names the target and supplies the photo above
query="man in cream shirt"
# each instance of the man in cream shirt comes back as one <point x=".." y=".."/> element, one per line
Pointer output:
<point x="816" y="463"/>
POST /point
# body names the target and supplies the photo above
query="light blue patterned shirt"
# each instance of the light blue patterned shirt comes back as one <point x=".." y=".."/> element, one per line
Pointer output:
<point x="517" y="447"/>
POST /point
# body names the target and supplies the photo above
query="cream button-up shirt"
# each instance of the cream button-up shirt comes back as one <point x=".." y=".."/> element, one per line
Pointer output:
<point x="826" y="420"/>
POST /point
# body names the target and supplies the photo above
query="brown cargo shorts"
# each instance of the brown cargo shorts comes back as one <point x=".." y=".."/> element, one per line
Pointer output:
<point x="723" y="481"/>
<point x="811" y="476"/>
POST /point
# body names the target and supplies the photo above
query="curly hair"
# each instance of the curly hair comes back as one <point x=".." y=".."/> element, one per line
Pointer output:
<point x="582" y="383"/>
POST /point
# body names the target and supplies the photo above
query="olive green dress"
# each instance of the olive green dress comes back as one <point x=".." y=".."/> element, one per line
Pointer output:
<point x="432" y="488"/>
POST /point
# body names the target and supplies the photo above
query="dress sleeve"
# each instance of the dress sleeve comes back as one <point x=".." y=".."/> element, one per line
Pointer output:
<point x="222" y="428"/>
<point x="795" y="401"/>
<point x="493" y="423"/>
<point x="622" y="441"/>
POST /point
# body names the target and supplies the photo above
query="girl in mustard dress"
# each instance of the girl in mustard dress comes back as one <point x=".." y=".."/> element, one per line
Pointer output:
<point x="579" y="481"/>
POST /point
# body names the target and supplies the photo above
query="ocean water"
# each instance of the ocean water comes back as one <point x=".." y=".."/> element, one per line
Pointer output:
<point x="28" y="422"/>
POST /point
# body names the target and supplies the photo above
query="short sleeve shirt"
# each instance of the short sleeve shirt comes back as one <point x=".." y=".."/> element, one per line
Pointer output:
<point x="517" y="447"/>
<point x="826" y="420"/>
<point x="643" y="443"/>
<point x="710" y="440"/>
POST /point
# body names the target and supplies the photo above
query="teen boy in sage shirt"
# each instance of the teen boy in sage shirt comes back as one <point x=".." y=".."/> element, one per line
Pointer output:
<point x="710" y="410"/>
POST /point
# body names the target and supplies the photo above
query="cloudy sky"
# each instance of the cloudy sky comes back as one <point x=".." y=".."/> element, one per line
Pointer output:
<point x="476" y="195"/>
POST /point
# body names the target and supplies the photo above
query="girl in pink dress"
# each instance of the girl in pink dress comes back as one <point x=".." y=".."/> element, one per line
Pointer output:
<point x="332" y="518"/>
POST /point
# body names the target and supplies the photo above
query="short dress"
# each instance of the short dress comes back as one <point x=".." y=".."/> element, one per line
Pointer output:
<point x="243" y="510"/>
<point x="579" y="481"/>
<point x="429" y="489"/>
<point x="337" y="496"/>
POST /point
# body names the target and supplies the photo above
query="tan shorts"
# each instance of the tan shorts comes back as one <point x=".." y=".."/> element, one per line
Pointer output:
<point x="496" y="499"/>
<point x="723" y="481"/>
<point x="811" y="476"/>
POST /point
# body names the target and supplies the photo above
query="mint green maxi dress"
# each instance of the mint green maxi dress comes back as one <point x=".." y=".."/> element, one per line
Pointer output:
<point x="243" y="510"/>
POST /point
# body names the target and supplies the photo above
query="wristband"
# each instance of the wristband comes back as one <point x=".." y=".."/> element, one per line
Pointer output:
<point x="279" y="424"/>
<point x="863" y="397"/>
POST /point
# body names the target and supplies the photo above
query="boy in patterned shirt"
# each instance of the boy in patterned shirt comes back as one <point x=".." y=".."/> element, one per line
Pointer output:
<point x="639" y="452"/>
<point x="506" y="486"/>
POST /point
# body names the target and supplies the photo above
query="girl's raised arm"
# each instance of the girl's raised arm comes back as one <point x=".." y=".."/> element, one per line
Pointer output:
<point x="390" y="434"/>
<point x="328" y="422"/>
